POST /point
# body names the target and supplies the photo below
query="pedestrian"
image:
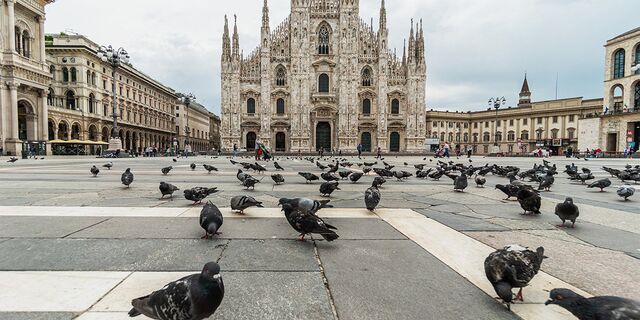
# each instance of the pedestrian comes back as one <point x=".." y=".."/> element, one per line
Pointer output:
<point x="340" y="152"/>
<point x="321" y="152"/>
<point x="359" y="148"/>
<point x="469" y="151"/>
<point x="446" y="150"/>
<point x="235" y="150"/>
<point x="379" y="153"/>
<point x="257" y="147"/>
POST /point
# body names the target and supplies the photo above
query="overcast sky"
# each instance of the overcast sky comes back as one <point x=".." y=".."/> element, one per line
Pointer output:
<point x="475" y="48"/>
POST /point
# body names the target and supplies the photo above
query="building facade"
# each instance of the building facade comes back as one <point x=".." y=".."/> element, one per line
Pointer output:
<point x="618" y="126"/>
<point x="24" y="76"/>
<point x="192" y="122"/>
<point x="324" y="78"/>
<point x="552" y="125"/>
<point x="214" y="132"/>
<point x="79" y="100"/>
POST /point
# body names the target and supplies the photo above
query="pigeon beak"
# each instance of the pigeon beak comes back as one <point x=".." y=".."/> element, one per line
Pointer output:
<point x="548" y="302"/>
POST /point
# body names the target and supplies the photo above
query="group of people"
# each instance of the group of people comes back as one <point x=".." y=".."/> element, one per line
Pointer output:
<point x="360" y="148"/>
<point x="445" y="151"/>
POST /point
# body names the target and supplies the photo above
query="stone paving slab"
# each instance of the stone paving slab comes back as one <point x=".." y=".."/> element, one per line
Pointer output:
<point x="37" y="315"/>
<point x="108" y="254"/>
<point x="44" y="227"/>
<point x="367" y="277"/>
<point x="361" y="229"/>
<point x="605" y="237"/>
<point x="269" y="255"/>
<point x="461" y="222"/>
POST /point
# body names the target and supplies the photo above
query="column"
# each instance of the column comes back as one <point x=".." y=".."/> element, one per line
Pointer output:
<point x="43" y="56"/>
<point x="44" y="117"/>
<point x="13" y="105"/>
<point x="12" y="25"/>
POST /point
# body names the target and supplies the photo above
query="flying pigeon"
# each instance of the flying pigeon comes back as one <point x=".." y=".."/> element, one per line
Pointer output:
<point x="529" y="200"/>
<point x="626" y="192"/>
<point x="210" y="220"/>
<point x="167" y="189"/>
<point x="327" y="188"/>
<point x="277" y="178"/>
<point x="192" y="166"/>
<point x="305" y="222"/>
<point x="108" y="165"/>
<point x="241" y="203"/>
<point x="94" y="171"/>
<point x="601" y="184"/>
<point x="193" y="297"/>
<point x="595" y="308"/>
<point x="567" y="211"/>
<point x="512" y="267"/>
<point x="277" y="166"/>
<point x="198" y="194"/>
<point x="310" y="205"/>
<point x="372" y="198"/>
<point x="354" y="177"/>
<point x="309" y="176"/>
<point x="127" y="178"/>
<point x="166" y="170"/>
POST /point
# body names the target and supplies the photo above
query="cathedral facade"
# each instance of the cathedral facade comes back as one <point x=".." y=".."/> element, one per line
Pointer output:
<point x="324" y="78"/>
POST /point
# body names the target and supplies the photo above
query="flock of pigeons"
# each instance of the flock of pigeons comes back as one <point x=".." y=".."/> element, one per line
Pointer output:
<point x="199" y="295"/>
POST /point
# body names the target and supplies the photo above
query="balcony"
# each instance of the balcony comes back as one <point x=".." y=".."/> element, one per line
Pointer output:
<point x="280" y="116"/>
<point x="327" y="97"/>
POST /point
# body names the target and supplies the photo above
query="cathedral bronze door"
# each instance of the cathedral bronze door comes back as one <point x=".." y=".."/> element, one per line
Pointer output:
<point x="251" y="141"/>
<point x="394" y="142"/>
<point x="281" y="144"/>
<point x="323" y="136"/>
<point x="366" y="141"/>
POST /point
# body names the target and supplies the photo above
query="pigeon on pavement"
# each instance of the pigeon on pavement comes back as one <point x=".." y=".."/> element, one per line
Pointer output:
<point x="600" y="184"/>
<point x="508" y="189"/>
<point x="308" y="176"/>
<point x="94" y="171"/>
<point x="127" y="178"/>
<point x="277" y="178"/>
<point x="354" y="177"/>
<point x="372" y="198"/>
<point x="310" y="205"/>
<point x="250" y="182"/>
<point x="210" y="220"/>
<point x="167" y="189"/>
<point x="529" y="200"/>
<point x="198" y="194"/>
<point x="277" y="166"/>
<point x="108" y="165"/>
<point x="193" y="297"/>
<point x="305" y="222"/>
<point x="595" y="308"/>
<point x="512" y="267"/>
<point x="209" y="168"/>
<point x="241" y="203"/>
<point x="480" y="181"/>
<point x="329" y="176"/>
<point x="378" y="182"/>
<point x="327" y="188"/>
<point x="166" y="170"/>
<point x="192" y="166"/>
<point x="12" y="159"/>
<point x="460" y="183"/>
<point x="626" y="192"/>
<point x="567" y="211"/>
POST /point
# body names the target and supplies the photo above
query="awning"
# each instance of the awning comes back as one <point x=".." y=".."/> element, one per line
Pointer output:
<point x="87" y="142"/>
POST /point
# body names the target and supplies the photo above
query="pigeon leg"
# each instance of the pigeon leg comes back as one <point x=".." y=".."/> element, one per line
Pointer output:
<point x="519" y="295"/>
<point x="573" y="224"/>
<point x="561" y="225"/>
<point x="161" y="197"/>
<point x="301" y="237"/>
<point x="206" y="236"/>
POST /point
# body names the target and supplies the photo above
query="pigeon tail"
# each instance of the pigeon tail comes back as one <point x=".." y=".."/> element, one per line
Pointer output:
<point x="330" y="236"/>
<point x="134" y="313"/>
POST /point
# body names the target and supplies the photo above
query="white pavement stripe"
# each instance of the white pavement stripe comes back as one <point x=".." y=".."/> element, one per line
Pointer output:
<point x="466" y="256"/>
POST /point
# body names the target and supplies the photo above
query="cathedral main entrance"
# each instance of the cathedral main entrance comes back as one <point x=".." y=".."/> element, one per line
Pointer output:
<point x="281" y="144"/>
<point x="323" y="136"/>
<point x="394" y="142"/>
<point x="366" y="141"/>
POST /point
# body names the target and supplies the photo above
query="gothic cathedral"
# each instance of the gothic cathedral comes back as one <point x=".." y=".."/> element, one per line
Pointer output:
<point x="324" y="78"/>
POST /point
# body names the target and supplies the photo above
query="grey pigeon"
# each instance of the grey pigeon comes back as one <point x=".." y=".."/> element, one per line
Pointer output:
<point x="308" y="176"/>
<point x="327" y="176"/>
<point x="250" y="182"/>
<point x="210" y="220"/>
<point x="626" y="192"/>
<point x="193" y="297"/>
<point x="327" y="188"/>
<point x="192" y="166"/>
<point x="12" y="160"/>
<point x="509" y="190"/>
<point x="166" y="170"/>
<point x="310" y="205"/>
<point x="512" y="267"/>
<point x="277" y="166"/>
<point x="209" y="168"/>
<point x="127" y="178"/>
<point x="94" y="171"/>
<point x="167" y="189"/>
<point x="241" y="203"/>
<point x="305" y="222"/>
<point x="378" y="182"/>
<point x="344" y="174"/>
<point x="460" y="183"/>
<point x="595" y="308"/>
<point x="241" y="175"/>
<point x="198" y="194"/>
<point x="277" y="178"/>
<point x="480" y="181"/>
<point x="354" y="177"/>
<point x="567" y="211"/>
<point x="108" y="165"/>
<point x="600" y="184"/>
<point x="547" y="181"/>
<point x="372" y="198"/>
<point x="529" y="201"/>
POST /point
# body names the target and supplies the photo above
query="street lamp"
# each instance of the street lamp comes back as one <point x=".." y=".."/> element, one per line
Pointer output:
<point x="496" y="103"/>
<point x="186" y="100"/>
<point x="114" y="58"/>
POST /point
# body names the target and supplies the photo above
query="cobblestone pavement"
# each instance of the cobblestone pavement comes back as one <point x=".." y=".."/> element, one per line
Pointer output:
<point x="78" y="247"/>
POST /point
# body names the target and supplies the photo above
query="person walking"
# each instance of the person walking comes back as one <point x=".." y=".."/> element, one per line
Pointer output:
<point x="446" y="150"/>
<point x="235" y="150"/>
<point x="469" y="151"/>
<point x="257" y="147"/>
<point x="379" y="153"/>
<point x="359" y="148"/>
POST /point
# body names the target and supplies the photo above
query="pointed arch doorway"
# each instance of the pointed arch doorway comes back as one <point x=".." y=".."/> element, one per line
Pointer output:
<point x="323" y="136"/>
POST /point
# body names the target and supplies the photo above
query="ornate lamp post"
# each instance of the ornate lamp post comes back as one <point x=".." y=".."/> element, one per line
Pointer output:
<point x="186" y="100"/>
<point x="496" y="103"/>
<point x="115" y="58"/>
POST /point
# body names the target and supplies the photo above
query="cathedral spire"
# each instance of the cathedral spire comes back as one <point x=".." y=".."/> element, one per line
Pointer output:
<point x="412" y="44"/>
<point x="265" y="15"/>
<point x="236" y="38"/>
<point x="420" y="45"/>
<point x="404" y="52"/>
<point x="226" y="42"/>
<point x="383" y="17"/>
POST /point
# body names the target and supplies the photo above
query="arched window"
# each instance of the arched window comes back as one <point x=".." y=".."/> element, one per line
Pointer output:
<point x="251" y="106"/>
<point x="465" y="137"/>
<point x="324" y="39"/>
<point x="366" y="77"/>
<point x="486" y="137"/>
<point x="554" y="133"/>
<point x="323" y="83"/>
<point x="450" y="136"/>
<point x="618" y="64"/>
<point x="71" y="100"/>
<point x="395" y="106"/>
<point x="52" y="70"/>
<point x="50" y="97"/>
<point x="74" y="74"/>
<point x="280" y="106"/>
<point x="26" y="44"/>
<point x="475" y="137"/>
<point x="638" y="57"/>
<point x="281" y="76"/>
<point x="18" y="36"/>
<point x="511" y="136"/>
<point x="636" y="104"/>
<point x="442" y="134"/>
<point x="92" y="102"/>
<point x="366" y="107"/>
<point x="93" y="78"/>
<point x="539" y="134"/>
<point x="88" y="77"/>
<point x="65" y="74"/>
<point x="498" y="136"/>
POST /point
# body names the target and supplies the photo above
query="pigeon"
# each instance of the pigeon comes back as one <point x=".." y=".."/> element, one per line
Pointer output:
<point x="193" y="297"/>
<point x="512" y="267"/>
<point x="309" y="176"/>
<point x="344" y="174"/>
<point x="327" y="188"/>
<point x="626" y="192"/>
<point x="378" y="182"/>
<point x="529" y="200"/>
<point x="210" y="168"/>
<point x="595" y="308"/>
<point x="305" y="222"/>
<point x="127" y="178"/>
<point x="509" y="189"/>
<point x="366" y="170"/>
<point x="372" y="198"/>
<point x="166" y="170"/>
<point x="460" y="183"/>
<point x="241" y="176"/>
<point x="277" y="166"/>
<point x="198" y="194"/>
<point x="277" y="178"/>
<point x="192" y="166"/>
<point x="167" y="189"/>
<point x="547" y="181"/>
<point x="480" y="181"/>
<point x="108" y="165"/>
<point x="250" y="182"/>
<point x="310" y="205"/>
<point x="601" y="184"/>
<point x="329" y="176"/>
<point x="12" y="159"/>
<point x="241" y="203"/>
<point x="210" y="220"/>
<point x="259" y="168"/>
<point x="567" y="211"/>
<point x="94" y="171"/>
<point x="354" y="177"/>
<point x="175" y="160"/>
